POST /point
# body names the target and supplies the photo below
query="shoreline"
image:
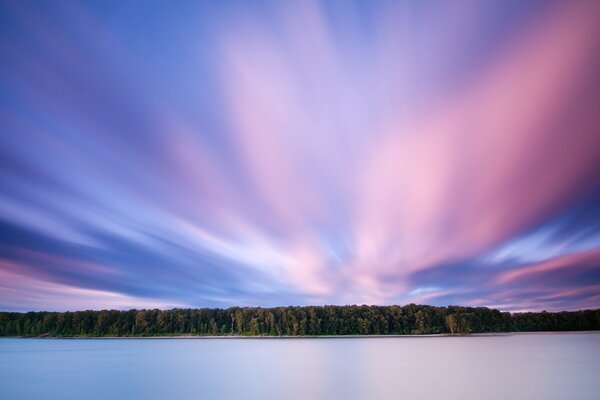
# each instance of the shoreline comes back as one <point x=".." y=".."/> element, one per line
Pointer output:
<point x="236" y="337"/>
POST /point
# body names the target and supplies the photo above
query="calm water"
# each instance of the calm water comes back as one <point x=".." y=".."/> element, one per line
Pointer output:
<point x="546" y="366"/>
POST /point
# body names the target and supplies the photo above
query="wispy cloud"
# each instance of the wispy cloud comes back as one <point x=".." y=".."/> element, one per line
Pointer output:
<point x="315" y="153"/>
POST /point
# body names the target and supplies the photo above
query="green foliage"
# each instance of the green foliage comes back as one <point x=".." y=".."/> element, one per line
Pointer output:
<point x="292" y="321"/>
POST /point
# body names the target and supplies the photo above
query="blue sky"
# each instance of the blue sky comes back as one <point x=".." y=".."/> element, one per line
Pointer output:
<point x="211" y="154"/>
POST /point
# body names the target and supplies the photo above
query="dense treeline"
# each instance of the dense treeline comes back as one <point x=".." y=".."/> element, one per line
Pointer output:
<point x="292" y="321"/>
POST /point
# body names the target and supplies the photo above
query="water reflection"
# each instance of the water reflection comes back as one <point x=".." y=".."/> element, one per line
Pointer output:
<point x="545" y="366"/>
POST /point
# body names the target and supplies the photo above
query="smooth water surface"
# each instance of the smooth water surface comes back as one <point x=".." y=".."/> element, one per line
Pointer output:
<point x="525" y="366"/>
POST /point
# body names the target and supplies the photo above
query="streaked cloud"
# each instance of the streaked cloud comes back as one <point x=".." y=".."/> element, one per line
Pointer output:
<point x="306" y="153"/>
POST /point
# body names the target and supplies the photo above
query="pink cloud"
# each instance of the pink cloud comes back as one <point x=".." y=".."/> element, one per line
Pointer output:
<point x="488" y="161"/>
<point x="570" y="264"/>
<point x="20" y="290"/>
<point x="455" y="175"/>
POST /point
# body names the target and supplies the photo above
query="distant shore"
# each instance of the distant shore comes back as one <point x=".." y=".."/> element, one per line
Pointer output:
<point x="350" y="321"/>
<point x="433" y="335"/>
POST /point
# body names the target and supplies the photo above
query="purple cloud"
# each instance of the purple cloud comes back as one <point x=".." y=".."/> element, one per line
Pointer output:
<point x="326" y="153"/>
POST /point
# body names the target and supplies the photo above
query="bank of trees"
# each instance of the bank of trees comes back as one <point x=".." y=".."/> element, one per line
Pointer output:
<point x="292" y="321"/>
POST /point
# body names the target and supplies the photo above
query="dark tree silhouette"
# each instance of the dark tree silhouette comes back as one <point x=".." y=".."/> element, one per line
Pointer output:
<point x="292" y="321"/>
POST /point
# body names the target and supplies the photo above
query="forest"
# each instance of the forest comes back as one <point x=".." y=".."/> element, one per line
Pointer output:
<point x="291" y="321"/>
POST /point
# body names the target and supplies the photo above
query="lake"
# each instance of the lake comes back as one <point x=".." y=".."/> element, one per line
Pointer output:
<point x="520" y="366"/>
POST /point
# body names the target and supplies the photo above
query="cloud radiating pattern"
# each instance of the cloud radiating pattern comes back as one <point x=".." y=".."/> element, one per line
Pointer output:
<point x="301" y="153"/>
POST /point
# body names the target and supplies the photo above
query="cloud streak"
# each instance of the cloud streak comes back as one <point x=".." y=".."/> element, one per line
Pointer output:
<point x="315" y="153"/>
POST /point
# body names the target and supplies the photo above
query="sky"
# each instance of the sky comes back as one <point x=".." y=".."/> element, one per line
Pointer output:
<point x="158" y="154"/>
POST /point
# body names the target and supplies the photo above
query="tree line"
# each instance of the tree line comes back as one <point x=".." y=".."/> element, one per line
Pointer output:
<point x="292" y="321"/>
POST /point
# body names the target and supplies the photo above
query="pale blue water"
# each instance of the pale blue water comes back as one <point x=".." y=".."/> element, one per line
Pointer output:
<point x="545" y="366"/>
